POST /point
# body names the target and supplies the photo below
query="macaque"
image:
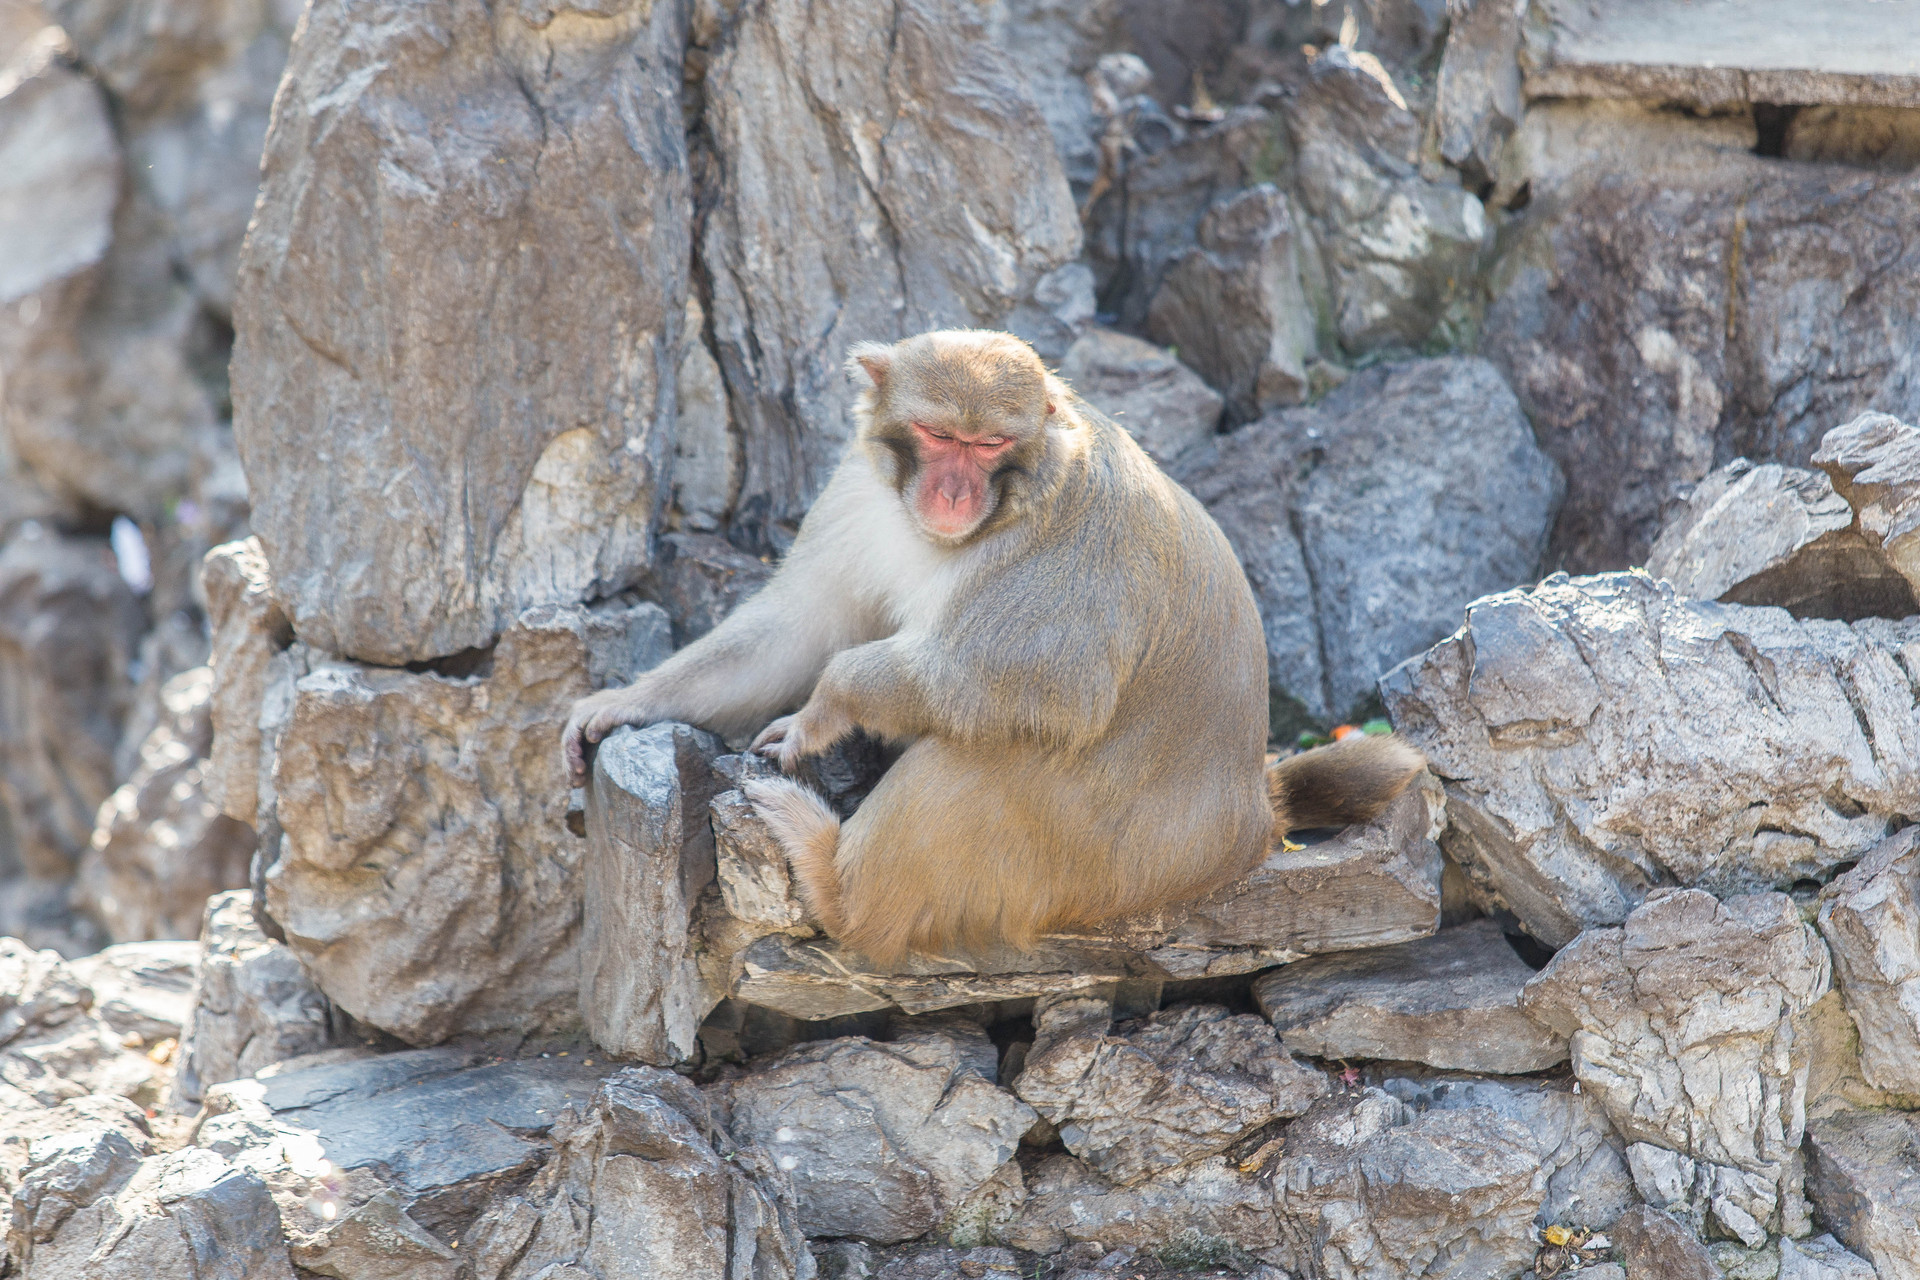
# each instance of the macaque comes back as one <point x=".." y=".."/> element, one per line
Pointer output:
<point x="998" y="578"/>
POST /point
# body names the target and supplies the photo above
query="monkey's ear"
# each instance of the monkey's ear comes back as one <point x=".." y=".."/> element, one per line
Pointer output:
<point x="874" y="358"/>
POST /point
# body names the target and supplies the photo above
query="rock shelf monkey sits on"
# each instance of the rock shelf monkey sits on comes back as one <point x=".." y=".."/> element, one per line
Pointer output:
<point x="999" y="577"/>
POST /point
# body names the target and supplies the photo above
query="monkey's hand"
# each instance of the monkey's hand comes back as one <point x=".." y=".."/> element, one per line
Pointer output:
<point x="593" y="718"/>
<point x="808" y="732"/>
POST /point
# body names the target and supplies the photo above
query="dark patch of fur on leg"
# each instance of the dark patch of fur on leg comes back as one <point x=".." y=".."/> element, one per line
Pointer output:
<point x="1345" y="783"/>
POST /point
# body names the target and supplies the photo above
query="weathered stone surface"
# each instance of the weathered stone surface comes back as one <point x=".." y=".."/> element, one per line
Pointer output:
<point x="145" y="52"/>
<point x="89" y="1205"/>
<point x="1821" y="1258"/>
<point x="427" y="879"/>
<point x="1365" y="522"/>
<point x="1655" y="1247"/>
<point x="141" y="990"/>
<point x="534" y="427"/>
<point x="1870" y="918"/>
<point x="1702" y="1195"/>
<point x="1667" y="300"/>
<point x="1363" y="1187"/>
<point x="1160" y="402"/>
<point x="700" y="578"/>
<point x="1055" y="44"/>
<point x="706" y="452"/>
<point x="1863" y="1177"/>
<point x="93" y="1113"/>
<point x="649" y="856"/>
<point x="393" y="1156"/>
<point x="1369" y="886"/>
<point x="1234" y="304"/>
<point x="1688" y="1023"/>
<point x="1774" y="51"/>
<point x="1198" y="1212"/>
<point x="248" y="629"/>
<point x="1885" y="138"/>
<point x="883" y="1140"/>
<point x="1601" y="736"/>
<point x="251" y="1005"/>
<point x="882" y="170"/>
<point x="1588" y="1180"/>
<point x="1170" y="1089"/>
<point x="1396" y="251"/>
<point x="1874" y="462"/>
<point x="1477" y="103"/>
<point x="1777" y="535"/>
<point x="645" y="1183"/>
<point x="160" y="848"/>
<point x="67" y="630"/>
<point x="1452" y="1000"/>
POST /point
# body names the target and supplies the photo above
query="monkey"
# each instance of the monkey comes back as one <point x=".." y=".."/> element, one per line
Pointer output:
<point x="999" y="578"/>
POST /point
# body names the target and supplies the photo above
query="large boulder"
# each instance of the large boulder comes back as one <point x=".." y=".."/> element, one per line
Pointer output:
<point x="1211" y="1211"/>
<point x="530" y="222"/>
<point x="1870" y="918"/>
<point x="160" y="847"/>
<point x="1367" y="521"/>
<point x="1777" y="535"/>
<point x="1667" y="300"/>
<point x="252" y="1005"/>
<point x="68" y="624"/>
<point x="1602" y="735"/>
<point x="881" y="169"/>
<point x="1170" y="1089"/>
<point x="1688" y="1024"/>
<point x="885" y="1141"/>
<point x="426" y="876"/>
<point x="1451" y="1001"/>
<point x="1863" y="1175"/>
<point x="1874" y="462"/>
<point x="1145" y="389"/>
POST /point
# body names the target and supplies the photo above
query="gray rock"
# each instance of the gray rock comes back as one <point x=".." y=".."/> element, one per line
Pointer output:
<point x="1368" y="886"/>
<point x="1397" y="252"/>
<point x="1773" y="51"/>
<point x="1170" y="1089"/>
<point x="1589" y="1183"/>
<point x="1452" y="1000"/>
<point x="1870" y="918"/>
<point x="248" y="629"/>
<point x="160" y="847"/>
<point x="141" y="990"/>
<point x="706" y="452"/>
<point x="700" y="578"/>
<point x="88" y="1205"/>
<point x="1655" y="1247"/>
<point x="427" y="879"/>
<point x="1364" y="1187"/>
<point x="1637" y="391"/>
<point x="883" y="1141"/>
<point x="252" y="1003"/>
<point x="1821" y="1258"/>
<point x="1367" y="521"/>
<point x="895" y="177"/>
<point x="1875" y="464"/>
<point x="1777" y="535"/>
<point x="1055" y="44"/>
<point x="1601" y="736"/>
<point x="1688" y="1023"/>
<point x="92" y="1114"/>
<point x="67" y="630"/>
<point x="529" y="479"/>
<point x="1477" y="102"/>
<point x="1195" y="1214"/>
<point x="144" y="53"/>
<point x="649" y="856"/>
<point x="1701" y="1194"/>
<point x="645" y="1183"/>
<point x="1835" y="1080"/>
<point x="1885" y="138"/>
<point x="1234" y="304"/>
<point x="1160" y="402"/>
<point x="1864" y="1180"/>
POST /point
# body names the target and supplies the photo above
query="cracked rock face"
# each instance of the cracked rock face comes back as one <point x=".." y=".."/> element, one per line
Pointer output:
<point x="882" y="170"/>
<point x="1600" y="736"/>
<point x="1199" y="1212"/>
<point x="1875" y="463"/>
<point x="426" y="878"/>
<point x="1870" y="917"/>
<point x="883" y="1140"/>
<point x="1688" y="1023"/>
<point x="1367" y="521"/>
<point x="491" y="445"/>
<point x="1863" y="1176"/>
<point x="1149" y="393"/>
<point x="1172" y="1088"/>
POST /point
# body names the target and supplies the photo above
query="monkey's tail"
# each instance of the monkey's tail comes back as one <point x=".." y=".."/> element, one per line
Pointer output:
<point x="809" y="831"/>
<point x="1335" y="786"/>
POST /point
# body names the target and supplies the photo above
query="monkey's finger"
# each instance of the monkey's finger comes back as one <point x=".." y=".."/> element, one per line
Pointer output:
<point x="772" y="736"/>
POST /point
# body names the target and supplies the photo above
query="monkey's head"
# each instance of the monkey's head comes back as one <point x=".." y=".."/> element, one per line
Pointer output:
<point x="962" y="413"/>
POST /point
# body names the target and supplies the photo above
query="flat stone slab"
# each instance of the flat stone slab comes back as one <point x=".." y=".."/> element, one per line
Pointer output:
<point x="1723" y="52"/>
<point x="1452" y="1001"/>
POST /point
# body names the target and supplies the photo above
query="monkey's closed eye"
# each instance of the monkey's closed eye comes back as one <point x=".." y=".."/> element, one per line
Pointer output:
<point x="993" y="442"/>
<point x="926" y="430"/>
